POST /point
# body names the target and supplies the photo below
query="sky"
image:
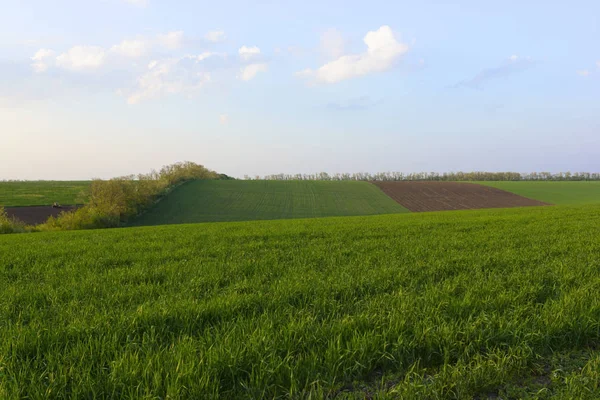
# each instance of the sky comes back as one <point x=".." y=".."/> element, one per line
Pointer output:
<point x="104" y="88"/>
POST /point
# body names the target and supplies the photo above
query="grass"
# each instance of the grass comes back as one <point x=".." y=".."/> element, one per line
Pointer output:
<point x="41" y="193"/>
<point x="484" y="304"/>
<point x="562" y="193"/>
<point x="209" y="200"/>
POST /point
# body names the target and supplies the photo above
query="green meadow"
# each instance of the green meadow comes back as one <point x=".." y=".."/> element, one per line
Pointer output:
<point x="450" y="305"/>
<point x="236" y="200"/>
<point x="42" y="193"/>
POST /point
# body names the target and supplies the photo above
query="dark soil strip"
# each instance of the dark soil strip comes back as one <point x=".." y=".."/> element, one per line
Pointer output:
<point x="441" y="196"/>
<point x="34" y="215"/>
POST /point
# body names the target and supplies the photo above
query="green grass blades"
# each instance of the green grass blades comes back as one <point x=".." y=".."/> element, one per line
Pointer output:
<point x="443" y="305"/>
<point x="207" y="201"/>
<point x="562" y="193"/>
<point x="42" y="193"/>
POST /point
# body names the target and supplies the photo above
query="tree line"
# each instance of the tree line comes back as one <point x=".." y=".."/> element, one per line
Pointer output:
<point x="435" y="176"/>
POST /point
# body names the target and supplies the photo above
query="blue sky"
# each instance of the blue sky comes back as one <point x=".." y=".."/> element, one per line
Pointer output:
<point x="101" y="88"/>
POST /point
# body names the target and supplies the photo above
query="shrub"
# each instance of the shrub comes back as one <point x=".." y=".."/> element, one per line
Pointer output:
<point x="10" y="225"/>
<point x="112" y="202"/>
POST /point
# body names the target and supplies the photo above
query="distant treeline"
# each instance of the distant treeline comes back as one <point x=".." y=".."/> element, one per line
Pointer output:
<point x="435" y="176"/>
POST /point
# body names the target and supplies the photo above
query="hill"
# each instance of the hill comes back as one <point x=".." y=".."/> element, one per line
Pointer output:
<point x="561" y="193"/>
<point x="456" y="304"/>
<point x="236" y="200"/>
<point x="41" y="193"/>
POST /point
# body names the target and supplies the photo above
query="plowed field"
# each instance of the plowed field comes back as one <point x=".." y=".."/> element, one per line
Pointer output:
<point x="440" y="196"/>
<point x="36" y="214"/>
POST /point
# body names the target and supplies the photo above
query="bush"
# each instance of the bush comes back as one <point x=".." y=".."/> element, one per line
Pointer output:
<point x="10" y="225"/>
<point x="114" y="201"/>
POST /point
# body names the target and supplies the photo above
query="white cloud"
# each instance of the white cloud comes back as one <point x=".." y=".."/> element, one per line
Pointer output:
<point x="215" y="36"/>
<point x="171" y="40"/>
<point x="167" y="77"/>
<point x="224" y="119"/>
<point x="584" y="72"/>
<point x="598" y="64"/>
<point x="513" y="58"/>
<point x="81" y="58"/>
<point x="40" y="58"/>
<point x="382" y="51"/>
<point x="250" y="71"/>
<point x="246" y="53"/>
<point x="132" y="48"/>
<point x="202" y="56"/>
<point x="332" y="44"/>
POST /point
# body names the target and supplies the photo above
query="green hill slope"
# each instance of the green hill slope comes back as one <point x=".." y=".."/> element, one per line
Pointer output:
<point x="561" y="193"/>
<point x="206" y="201"/>
<point x="469" y="304"/>
<point x="41" y="193"/>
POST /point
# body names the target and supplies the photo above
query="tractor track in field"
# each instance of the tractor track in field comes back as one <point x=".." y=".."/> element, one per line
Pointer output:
<point x="442" y="196"/>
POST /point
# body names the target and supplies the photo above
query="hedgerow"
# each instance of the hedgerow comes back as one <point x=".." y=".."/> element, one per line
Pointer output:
<point x="115" y="201"/>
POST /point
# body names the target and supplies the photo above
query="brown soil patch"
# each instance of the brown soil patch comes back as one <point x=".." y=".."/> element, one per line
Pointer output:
<point x="440" y="196"/>
<point x="34" y="215"/>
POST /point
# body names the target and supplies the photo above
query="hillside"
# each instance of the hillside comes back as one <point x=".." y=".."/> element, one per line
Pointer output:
<point x="561" y="193"/>
<point x="207" y="201"/>
<point x="487" y="303"/>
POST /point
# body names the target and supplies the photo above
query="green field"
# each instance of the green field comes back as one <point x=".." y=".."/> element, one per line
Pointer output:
<point x="562" y="193"/>
<point x="41" y="193"/>
<point x="487" y="303"/>
<point x="214" y="200"/>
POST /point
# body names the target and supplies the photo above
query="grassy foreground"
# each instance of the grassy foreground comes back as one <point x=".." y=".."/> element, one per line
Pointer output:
<point x="41" y="193"/>
<point x="439" y="305"/>
<point x="236" y="200"/>
<point x="562" y="193"/>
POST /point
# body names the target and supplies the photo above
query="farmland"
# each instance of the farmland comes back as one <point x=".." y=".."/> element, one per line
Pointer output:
<point x="41" y="193"/>
<point x="562" y="193"/>
<point x="440" y="196"/>
<point x="207" y="201"/>
<point x="456" y="304"/>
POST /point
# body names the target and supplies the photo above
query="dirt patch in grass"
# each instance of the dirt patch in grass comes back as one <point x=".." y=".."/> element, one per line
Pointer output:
<point x="440" y="196"/>
<point x="34" y="215"/>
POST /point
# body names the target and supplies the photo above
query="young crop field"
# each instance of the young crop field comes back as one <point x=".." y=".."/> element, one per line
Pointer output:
<point x="41" y="193"/>
<point x="458" y="304"/>
<point x="215" y="200"/>
<point x="567" y="193"/>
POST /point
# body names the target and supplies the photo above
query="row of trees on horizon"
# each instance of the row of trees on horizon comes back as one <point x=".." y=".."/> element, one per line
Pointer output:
<point x="435" y="176"/>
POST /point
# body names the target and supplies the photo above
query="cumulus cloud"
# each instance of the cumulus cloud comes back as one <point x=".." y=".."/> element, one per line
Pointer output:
<point x="246" y="53"/>
<point x="250" y="71"/>
<point x="215" y="36"/>
<point x="202" y="56"/>
<point x="332" y="44"/>
<point x="511" y="66"/>
<point x="224" y="119"/>
<point x="171" y="40"/>
<point x="584" y="73"/>
<point x="132" y="48"/>
<point x="80" y="58"/>
<point x="167" y="77"/>
<point x="382" y="51"/>
<point x="41" y="59"/>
